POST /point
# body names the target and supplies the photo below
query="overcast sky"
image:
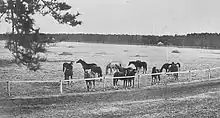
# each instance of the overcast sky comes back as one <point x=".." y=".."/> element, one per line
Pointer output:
<point x="138" y="17"/>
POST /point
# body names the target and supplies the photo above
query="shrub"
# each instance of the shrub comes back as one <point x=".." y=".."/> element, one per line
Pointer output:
<point x="176" y="51"/>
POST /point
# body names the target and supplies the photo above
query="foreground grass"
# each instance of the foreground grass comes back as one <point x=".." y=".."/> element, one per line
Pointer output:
<point x="202" y="105"/>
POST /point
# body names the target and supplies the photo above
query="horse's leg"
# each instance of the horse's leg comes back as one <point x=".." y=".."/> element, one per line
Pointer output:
<point x="87" y="85"/>
<point x="90" y="85"/>
<point x="129" y="82"/>
<point x="113" y="82"/>
<point x="176" y="74"/>
<point x="143" y="70"/>
<point x="159" y="78"/>
<point x="93" y="84"/>
<point x="65" y="76"/>
<point x="71" y="76"/>
<point x="116" y="82"/>
<point x="152" y="79"/>
<point x="133" y="83"/>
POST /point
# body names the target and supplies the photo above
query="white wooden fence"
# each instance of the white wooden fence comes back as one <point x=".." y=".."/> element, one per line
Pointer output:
<point x="104" y="78"/>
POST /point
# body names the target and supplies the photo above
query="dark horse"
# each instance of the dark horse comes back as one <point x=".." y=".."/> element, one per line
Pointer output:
<point x="68" y="70"/>
<point x="124" y="72"/>
<point x="91" y="66"/>
<point x="174" y="68"/>
<point x="86" y="65"/>
<point x="139" y="64"/>
<point x="166" y="66"/>
<point x="128" y="81"/>
<point x="89" y="83"/>
<point x="155" y="78"/>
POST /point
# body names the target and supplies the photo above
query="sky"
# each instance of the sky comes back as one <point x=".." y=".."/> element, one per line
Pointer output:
<point x="145" y="17"/>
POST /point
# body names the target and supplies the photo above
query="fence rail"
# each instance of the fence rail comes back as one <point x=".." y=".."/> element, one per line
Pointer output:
<point x="138" y="76"/>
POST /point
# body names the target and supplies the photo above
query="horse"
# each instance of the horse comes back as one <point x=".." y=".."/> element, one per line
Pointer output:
<point x="124" y="72"/>
<point x="86" y="65"/>
<point x="92" y="66"/>
<point x="111" y="66"/>
<point x="89" y="83"/>
<point x="155" y="78"/>
<point x="138" y="65"/>
<point x="97" y="69"/>
<point x="128" y="80"/>
<point x="117" y="74"/>
<point x="144" y="65"/>
<point x="174" y="68"/>
<point x="166" y="67"/>
<point x="68" y="70"/>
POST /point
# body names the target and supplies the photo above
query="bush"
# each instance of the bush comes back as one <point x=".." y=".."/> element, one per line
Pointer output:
<point x="41" y="57"/>
<point x="175" y="51"/>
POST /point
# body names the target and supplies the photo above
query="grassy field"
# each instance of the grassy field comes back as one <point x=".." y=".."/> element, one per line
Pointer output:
<point x="194" y="101"/>
<point x="100" y="54"/>
<point x="196" y="104"/>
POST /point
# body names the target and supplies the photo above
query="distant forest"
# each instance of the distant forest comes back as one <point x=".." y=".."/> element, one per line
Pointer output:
<point x="197" y="40"/>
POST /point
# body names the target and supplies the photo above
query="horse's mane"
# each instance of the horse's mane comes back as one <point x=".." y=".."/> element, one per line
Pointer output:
<point x="119" y="67"/>
<point x="80" y="60"/>
<point x="132" y="62"/>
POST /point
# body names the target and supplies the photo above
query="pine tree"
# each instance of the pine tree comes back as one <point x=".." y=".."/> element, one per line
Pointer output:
<point x="24" y="40"/>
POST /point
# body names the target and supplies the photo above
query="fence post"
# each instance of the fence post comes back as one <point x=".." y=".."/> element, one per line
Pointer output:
<point x="8" y="88"/>
<point x="61" y="87"/>
<point x="209" y="74"/>
<point x="103" y="83"/>
<point x="189" y="75"/>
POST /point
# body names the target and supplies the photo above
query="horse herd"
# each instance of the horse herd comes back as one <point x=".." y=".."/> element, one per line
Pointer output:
<point x="126" y="74"/>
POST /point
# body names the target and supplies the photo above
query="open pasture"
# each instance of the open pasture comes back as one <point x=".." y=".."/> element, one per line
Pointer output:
<point x="101" y="54"/>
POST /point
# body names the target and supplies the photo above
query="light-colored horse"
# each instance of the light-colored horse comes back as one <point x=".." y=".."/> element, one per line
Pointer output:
<point x="112" y="67"/>
<point x="90" y="83"/>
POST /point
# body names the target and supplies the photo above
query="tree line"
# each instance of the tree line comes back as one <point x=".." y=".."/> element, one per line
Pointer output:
<point x="199" y="40"/>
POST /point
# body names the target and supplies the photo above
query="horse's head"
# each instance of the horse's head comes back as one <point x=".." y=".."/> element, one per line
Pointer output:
<point x="71" y="62"/>
<point x="79" y="61"/>
<point x="131" y="62"/>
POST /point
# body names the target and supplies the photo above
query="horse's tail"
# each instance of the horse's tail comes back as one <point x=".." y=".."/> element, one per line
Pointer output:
<point x="100" y="72"/>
